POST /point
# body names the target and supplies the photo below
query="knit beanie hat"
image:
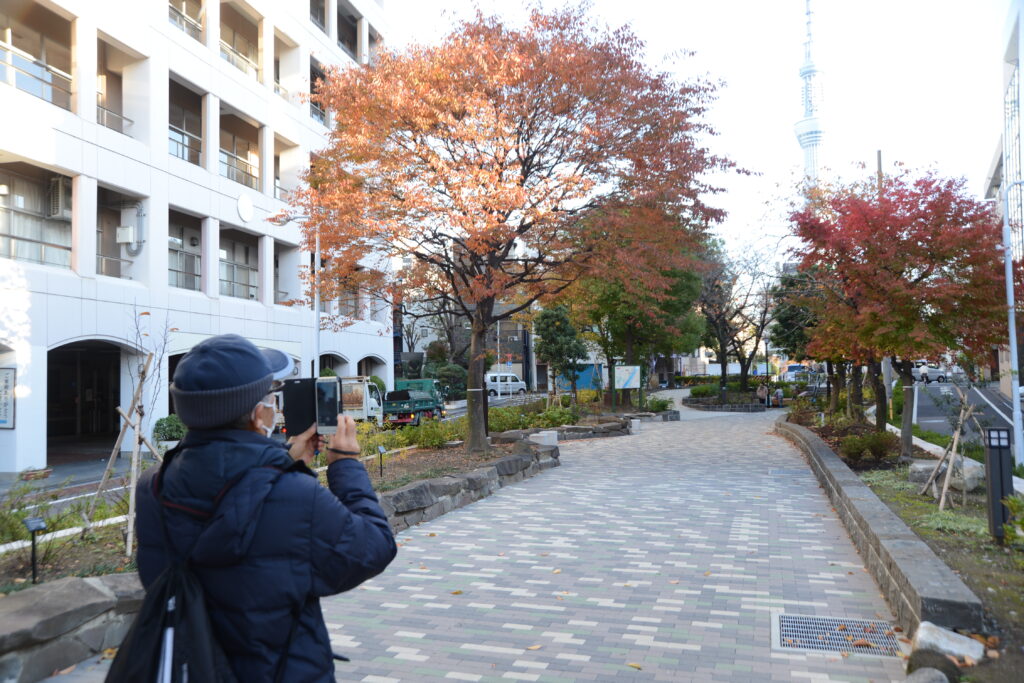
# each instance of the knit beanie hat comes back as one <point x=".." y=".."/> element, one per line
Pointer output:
<point x="222" y="378"/>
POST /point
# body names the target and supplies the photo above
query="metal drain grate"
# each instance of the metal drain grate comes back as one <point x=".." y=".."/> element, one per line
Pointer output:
<point x="827" y="634"/>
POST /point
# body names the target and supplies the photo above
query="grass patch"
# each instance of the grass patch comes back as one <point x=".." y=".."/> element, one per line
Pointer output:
<point x="951" y="522"/>
<point x="894" y="479"/>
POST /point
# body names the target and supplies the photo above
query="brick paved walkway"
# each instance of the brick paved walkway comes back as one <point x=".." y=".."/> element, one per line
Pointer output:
<point x="669" y="549"/>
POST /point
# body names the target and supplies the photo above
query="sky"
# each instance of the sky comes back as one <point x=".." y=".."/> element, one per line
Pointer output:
<point x="920" y="80"/>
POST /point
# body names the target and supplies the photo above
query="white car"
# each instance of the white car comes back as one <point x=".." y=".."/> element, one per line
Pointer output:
<point x="504" y="384"/>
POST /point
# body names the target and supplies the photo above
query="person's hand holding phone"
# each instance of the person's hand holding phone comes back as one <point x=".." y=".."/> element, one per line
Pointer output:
<point x="343" y="442"/>
<point x="303" y="446"/>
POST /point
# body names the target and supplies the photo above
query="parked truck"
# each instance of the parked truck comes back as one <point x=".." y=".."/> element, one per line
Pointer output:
<point x="361" y="400"/>
<point x="414" y="400"/>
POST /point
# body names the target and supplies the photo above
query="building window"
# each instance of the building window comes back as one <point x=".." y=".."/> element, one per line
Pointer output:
<point x="185" y="125"/>
<point x="239" y="271"/>
<point x="184" y="244"/>
<point x="316" y="110"/>
<point x="239" y="160"/>
<point x="35" y="219"/>
<point x="318" y="14"/>
<point x="37" y="62"/>
<point x="348" y="33"/>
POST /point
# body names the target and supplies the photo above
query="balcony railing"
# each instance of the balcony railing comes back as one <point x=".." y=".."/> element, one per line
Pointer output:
<point x="20" y="69"/>
<point x="235" y="280"/>
<point x="190" y="26"/>
<point x="184" y="145"/>
<point x="113" y="266"/>
<point x="24" y="248"/>
<point x="280" y="296"/>
<point x="317" y="113"/>
<point x="234" y="167"/>
<point x="241" y="62"/>
<point x="112" y="119"/>
<point x="280" y="90"/>
<point x="280" y="192"/>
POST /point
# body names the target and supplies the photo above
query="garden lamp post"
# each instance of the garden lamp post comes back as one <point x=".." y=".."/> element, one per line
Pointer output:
<point x="1018" y="430"/>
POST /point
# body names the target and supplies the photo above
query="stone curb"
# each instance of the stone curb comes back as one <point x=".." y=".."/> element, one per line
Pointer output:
<point x="54" y="625"/>
<point x="917" y="585"/>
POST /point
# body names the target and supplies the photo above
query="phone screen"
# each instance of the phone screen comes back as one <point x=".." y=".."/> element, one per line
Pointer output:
<point x="327" y="404"/>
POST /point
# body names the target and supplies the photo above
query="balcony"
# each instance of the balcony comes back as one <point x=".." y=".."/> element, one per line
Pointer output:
<point x="243" y="63"/>
<point x="281" y="90"/>
<point x="234" y="167"/>
<point x="191" y="27"/>
<point x="19" y="69"/>
<point x="184" y="145"/>
<point x="113" y="266"/>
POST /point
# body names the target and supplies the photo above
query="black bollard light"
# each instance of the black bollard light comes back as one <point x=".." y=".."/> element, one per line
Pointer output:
<point x="998" y="479"/>
<point x="34" y="526"/>
<point x="380" y="453"/>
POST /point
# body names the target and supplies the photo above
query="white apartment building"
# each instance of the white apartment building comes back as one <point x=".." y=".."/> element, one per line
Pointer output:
<point x="143" y="146"/>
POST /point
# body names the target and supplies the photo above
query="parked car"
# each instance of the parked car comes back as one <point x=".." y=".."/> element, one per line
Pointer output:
<point x="504" y="384"/>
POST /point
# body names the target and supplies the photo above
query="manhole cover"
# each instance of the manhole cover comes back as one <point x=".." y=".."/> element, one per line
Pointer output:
<point x="827" y="634"/>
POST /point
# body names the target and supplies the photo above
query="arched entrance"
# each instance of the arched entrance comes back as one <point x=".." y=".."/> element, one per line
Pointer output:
<point x="83" y="390"/>
<point x="336" y="362"/>
<point x="372" y="365"/>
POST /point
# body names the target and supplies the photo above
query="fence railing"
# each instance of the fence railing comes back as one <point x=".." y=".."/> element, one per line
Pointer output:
<point x="190" y="26"/>
<point x="281" y="90"/>
<point x="234" y="167"/>
<point x="184" y="145"/>
<point x="24" y="72"/>
<point x="241" y="62"/>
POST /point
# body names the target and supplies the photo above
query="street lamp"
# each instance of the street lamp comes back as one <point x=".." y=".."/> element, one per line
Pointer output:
<point x="284" y="220"/>
<point x="1018" y="430"/>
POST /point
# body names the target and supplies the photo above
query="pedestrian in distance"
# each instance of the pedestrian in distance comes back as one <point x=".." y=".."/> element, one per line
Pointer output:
<point x="924" y="374"/>
<point x="265" y="540"/>
<point x="778" y="397"/>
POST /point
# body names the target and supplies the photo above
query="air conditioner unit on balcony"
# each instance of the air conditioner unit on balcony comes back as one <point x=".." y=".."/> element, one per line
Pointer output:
<point x="513" y="338"/>
<point x="58" y="200"/>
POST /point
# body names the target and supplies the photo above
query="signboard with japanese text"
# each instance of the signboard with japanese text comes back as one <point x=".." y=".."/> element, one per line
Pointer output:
<point x="627" y="376"/>
<point x="7" y="384"/>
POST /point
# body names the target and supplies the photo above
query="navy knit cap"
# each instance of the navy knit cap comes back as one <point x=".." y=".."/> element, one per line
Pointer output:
<point x="223" y="378"/>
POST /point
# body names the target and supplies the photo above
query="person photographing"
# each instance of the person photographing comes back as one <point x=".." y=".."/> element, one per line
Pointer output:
<point x="264" y="538"/>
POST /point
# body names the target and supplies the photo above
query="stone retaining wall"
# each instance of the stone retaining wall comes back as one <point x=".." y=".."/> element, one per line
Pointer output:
<point x="52" y="626"/>
<point x="609" y="426"/>
<point x="917" y="585"/>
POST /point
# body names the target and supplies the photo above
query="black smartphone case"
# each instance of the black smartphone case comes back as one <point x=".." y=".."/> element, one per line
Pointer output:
<point x="299" y="398"/>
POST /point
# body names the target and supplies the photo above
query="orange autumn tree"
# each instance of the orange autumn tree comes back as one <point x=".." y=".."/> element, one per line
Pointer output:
<point x="503" y="164"/>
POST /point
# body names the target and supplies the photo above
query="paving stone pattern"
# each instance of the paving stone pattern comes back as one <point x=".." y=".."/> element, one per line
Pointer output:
<point x="668" y="550"/>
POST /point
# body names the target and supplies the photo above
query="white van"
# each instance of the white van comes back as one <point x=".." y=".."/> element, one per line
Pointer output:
<point x="504" y="384"/>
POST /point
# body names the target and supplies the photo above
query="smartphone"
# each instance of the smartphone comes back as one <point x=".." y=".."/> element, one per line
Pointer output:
<point x="328" y="397"/>
<point x="298" y="397"/>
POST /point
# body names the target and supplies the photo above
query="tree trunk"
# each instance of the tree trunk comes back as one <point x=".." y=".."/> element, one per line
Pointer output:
<point x="476" y="402"/>
<point x="840" y="383"/>
<point x="723" y="365"/>
<point x="878" y="386"/>
<point x="744" y="373"/>
<point x="856" y="400"/>
<point x="833" y="390"/>
<point x="905" y="368"/>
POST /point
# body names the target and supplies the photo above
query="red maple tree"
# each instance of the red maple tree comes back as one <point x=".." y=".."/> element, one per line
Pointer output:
<point x="910" y="270"/>
<point x="504" y="163"/>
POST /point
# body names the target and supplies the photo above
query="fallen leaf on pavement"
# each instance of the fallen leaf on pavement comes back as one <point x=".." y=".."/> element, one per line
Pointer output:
<point x="860" y="642"/>
<point x="635" y="666"/>
<point x="898" y="629"/>
<point x="557" y="571"/>
<point x="992" y="654"/>
<point x="993" y="641"/>
<point x="707" y="573"/>
<point x="905" y="640"/>
<point x="109" y="653"/>
<point x="674" y="581"/>
<point x="66" y="671"/>
<point x="845" y="654"/>
<point x="533" y="647"/>
<point x="456" y="592"/>
<point x="841" y="627"/>
<point x="431" y="534"/>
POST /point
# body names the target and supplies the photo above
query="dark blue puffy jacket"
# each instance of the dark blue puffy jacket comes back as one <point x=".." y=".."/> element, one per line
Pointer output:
<point x="269" y="547"/>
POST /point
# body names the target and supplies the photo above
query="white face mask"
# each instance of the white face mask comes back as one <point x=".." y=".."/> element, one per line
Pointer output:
<point x="268" y="430"/>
